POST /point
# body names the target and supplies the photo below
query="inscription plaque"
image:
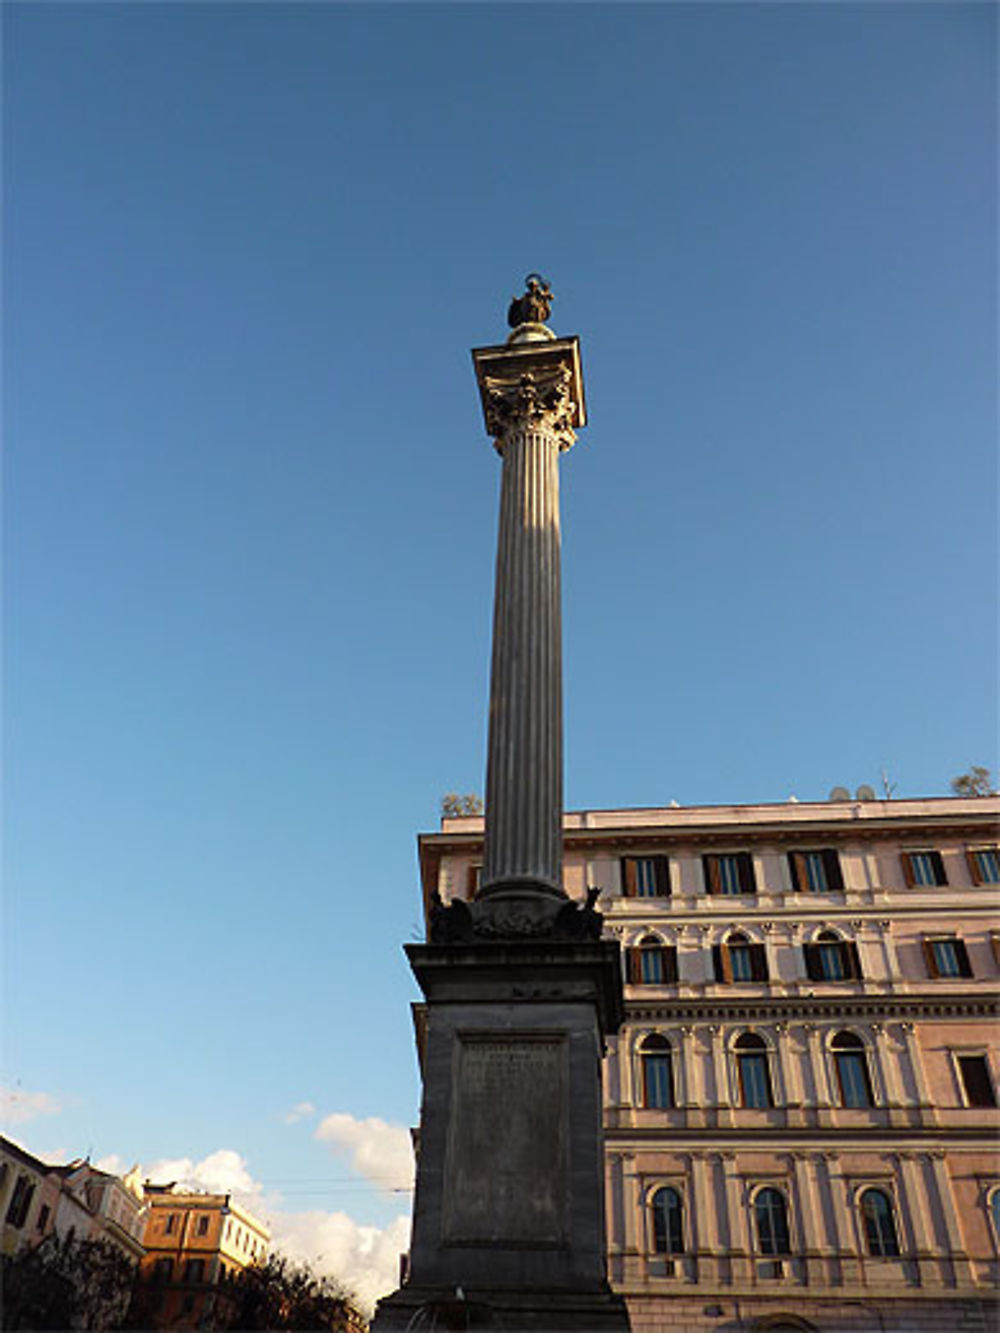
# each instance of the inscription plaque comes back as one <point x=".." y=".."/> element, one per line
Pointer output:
<point x="505" y="1173"/>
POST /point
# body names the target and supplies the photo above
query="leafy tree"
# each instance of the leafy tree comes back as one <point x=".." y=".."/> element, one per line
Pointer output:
<point x="66" y="1283"/>
<point x="977" y="782"/>
<point x="453" y="805"/>
<point x="280" y="1294"/>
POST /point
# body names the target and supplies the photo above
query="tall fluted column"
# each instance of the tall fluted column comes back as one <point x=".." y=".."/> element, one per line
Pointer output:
<point x="532" y="394"/>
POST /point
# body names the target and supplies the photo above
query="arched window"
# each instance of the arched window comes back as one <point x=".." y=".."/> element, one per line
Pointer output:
<point x="668" y="1221"/>
<point x="771" y="1218"/>
<point x="656" y="1058"/>
<point x="653" y="963"/>
<point x="880" y="1229"/>
<point x="754" y="1073"/>
<point x="851" y="1064"/>
<point x="829" y="958"/>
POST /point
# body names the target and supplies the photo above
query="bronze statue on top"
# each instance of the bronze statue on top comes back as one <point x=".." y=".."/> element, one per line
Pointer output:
<point x="534" y="306"/>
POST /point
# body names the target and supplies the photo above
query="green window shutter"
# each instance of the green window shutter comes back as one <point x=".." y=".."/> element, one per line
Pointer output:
<point x="719" y="963"/>
<point x="834" y="875"/>
<point x="929" y="959"/>
<point x="662" y="870"/>
<point x="747" y="882"/>
<point x="964" y="966"/>
<point x="853" y="960"/>
<point x="758" y="962"/>
<point x="797" y="865"/>
<point x="814" y="968"/>
<point x="710" y="868"/>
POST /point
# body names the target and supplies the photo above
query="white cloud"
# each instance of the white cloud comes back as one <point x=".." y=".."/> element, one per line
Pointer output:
<point x="364" y="1258"/>
<point x="221" y="1172"/>
<point x="380" y="1152"/>
<point x="17" y="1105"/>
<point x="300" y="1111"/>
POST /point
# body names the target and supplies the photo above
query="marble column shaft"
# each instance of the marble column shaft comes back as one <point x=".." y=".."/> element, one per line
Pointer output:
<point x="524" y="768"/>
<point x="531" y="399"/>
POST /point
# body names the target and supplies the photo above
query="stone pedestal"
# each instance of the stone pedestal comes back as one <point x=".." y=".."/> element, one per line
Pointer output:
<point x="508" y="1225"/>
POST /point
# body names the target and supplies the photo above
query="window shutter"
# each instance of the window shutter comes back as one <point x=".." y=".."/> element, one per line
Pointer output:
<point x="727" y="963"/>
<point x="747" y="882"/>
<point x="662" y="870"/>
<point x="976" y="1080"/>
<point x="797" y="865"/>
<point x="670" y="964"/>
<point x="758" y="962"/>
<point x="964" y="966"/>
<point x="939" y="876"/>
<point x="711" y="869"/>
<point x="629" y="877"/>
<point x="907" y="869"/>
<point x="471" y="876"/>
<point x="719" y="961"/>
<point x="853" y="968"/>
<point x="929" y="959"/>
<point x="973" y="864"/>
<point x="814" y="968"/>
<point x="634" y="966"/>
<point x="834" y="875"/>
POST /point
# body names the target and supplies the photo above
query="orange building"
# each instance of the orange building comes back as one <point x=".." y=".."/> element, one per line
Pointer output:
<point x="195" y="1243"/>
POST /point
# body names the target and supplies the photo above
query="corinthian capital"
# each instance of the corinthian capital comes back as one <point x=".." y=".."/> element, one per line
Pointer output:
<point x="539" y="399"/>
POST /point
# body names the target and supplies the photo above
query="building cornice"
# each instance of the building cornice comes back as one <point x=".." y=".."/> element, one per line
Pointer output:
<point x="812" y="1009"/>
<point x="708" y="1139"/>
<point x="737" y="834"/>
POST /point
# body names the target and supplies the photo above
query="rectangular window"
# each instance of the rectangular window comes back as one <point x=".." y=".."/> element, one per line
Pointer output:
<point x="976" y="1081"/>
<point x="472" y="881"/>
<point x="45" y="1212"/>
<point x="194" y="1270"/>
<point x="652" y="965"/>
<point x="923" y="869"/>
<point x="203" y="1225"/>
<point x="816" y="872"/>
<point x="658" y="1080"/>
<point x="984" y="865"/>
<point x="741" y="962"/>
<point x="20" y="1201"/>
<point x="755" y="1081"/>
<point x="852" y="1075"/>
<point x="163" y="1270"/>
<point x="946" y="956"/>
<point x="729" y="873"/>
<point x="168" y="1225"/>
<point x="645" y="877"/>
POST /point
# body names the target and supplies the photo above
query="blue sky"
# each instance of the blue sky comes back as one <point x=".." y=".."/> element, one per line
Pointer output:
<point x="250" y="507"/>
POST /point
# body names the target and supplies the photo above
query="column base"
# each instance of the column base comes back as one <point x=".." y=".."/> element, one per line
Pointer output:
<point x="415" y="1309"/>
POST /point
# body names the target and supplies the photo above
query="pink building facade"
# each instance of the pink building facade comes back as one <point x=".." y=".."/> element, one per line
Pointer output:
<point x="801" y="1108"/>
